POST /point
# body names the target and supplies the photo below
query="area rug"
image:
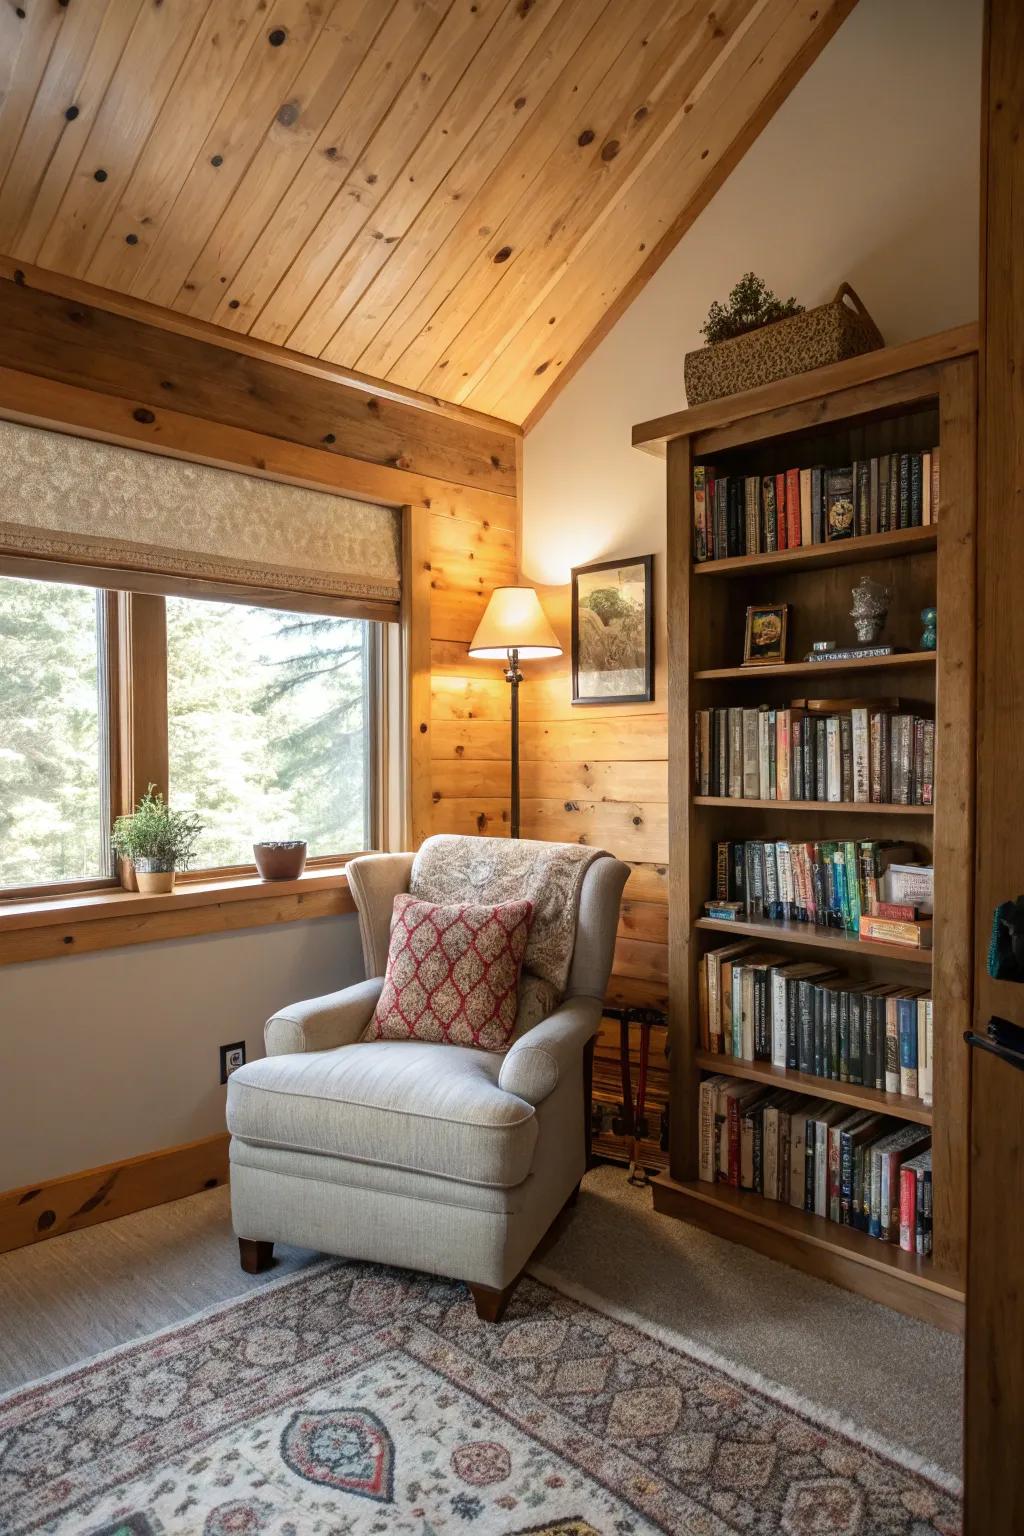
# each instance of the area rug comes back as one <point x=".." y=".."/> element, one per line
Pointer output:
<point x="351" y="1400"/>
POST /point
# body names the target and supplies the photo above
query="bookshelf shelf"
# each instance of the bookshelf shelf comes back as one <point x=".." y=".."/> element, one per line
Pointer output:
<point x="817" y="1087"/>
<point x="776" y="931"/>
<point x="871" y="546"/>
<point x="822" y="669"/>
<point x="888" y="402"/>
<point x="853" y="807"/>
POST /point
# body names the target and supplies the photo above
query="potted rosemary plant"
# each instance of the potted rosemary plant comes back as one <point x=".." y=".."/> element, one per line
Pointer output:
<point x="156" y="841"/>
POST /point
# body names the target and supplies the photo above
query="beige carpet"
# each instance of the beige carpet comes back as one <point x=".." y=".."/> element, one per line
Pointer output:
<point x="65" y="1300"/>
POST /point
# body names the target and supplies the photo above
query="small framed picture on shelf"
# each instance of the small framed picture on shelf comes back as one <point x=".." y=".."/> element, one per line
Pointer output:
<point x="765" y="641"/>
<point x="613" y="632"/>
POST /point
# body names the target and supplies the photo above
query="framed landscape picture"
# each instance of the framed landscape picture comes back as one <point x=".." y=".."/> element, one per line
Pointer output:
<point x="613" y="632"/>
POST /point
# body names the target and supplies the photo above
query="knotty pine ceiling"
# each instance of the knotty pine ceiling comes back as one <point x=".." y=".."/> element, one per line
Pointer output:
<point x="453" y="195"/>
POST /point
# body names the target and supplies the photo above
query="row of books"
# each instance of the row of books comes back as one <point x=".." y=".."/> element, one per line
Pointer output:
<point x="757" y="1005"/>
<point x="853" y="1167"/>
<point x="757" y="514"/>
<point x="852" y="752"/>
<point x="874" y="888"/>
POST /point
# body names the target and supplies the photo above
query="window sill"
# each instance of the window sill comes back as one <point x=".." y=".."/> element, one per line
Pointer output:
<point x="81" y="923"/>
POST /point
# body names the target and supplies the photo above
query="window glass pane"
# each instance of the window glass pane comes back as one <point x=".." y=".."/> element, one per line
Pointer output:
<point x="54" y="821"/>
<point x="269" y="728"/>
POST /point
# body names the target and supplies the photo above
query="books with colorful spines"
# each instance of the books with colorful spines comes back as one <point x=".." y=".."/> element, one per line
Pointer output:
<point x="806" y="508"/>
<point x="818" y="513"/>
<point x="775" y="1131"/>
<point x="906" y="1009"/>
<point x="873" y="472"/>
<point x="720" y="518"/>
<point x="700" y="513"/>
<point x="794" y="518"/>
<point x="737" y="1095"/>
<point x="882" y="930"/>
<point x="751" y="515"/>
<point x="703" y="1015"/>
<point x="862" y="496"/>
<point x="707" y="1153"/>
<point x="925" y="1048"/>
<point x="748" y="1007"/>
<point x="878" y="997"/>
<point x="913" y="1175"/>
<point x="819" y="1188"/>
<point x="782" y="526"/>
<point x="887" y="1154"/>
<point x="875" y="858"/>
<point x="782" y="978"/>
<point x="853" y="1140"/>
<point x="884" y="494"/>
<point x="904" y="490"/>
<point x="913" y="1140"/>
<point x="926" y="784"/>
<point x="846" y="1126"/>
<point x="750" y="783"/>
<point x="923" y="1205"/>
<point x="839" y="509"/>
<point x="713" y="961"/>
<point x="769" y="522"/>
<point x="798" y="1153"/>
<point x="935" y="484"/>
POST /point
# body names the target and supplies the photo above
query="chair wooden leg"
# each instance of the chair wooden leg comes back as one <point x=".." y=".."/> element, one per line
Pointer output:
<point x="255" y="1256"/>
<point x="490" y="1305"/>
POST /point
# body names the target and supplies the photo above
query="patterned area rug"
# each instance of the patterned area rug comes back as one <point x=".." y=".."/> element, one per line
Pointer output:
<point x="357" y="1401"/>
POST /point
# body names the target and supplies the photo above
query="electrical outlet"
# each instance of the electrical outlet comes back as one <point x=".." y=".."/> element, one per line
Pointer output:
<point x="231" y="1058"/>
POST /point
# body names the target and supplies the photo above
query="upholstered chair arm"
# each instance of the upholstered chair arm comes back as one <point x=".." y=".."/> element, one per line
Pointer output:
<point x="322" y="1023"/>
<point x="554" y="1047"/>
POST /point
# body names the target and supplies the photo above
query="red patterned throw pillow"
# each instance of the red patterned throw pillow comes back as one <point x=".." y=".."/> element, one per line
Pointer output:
<point x="453" y="973"/>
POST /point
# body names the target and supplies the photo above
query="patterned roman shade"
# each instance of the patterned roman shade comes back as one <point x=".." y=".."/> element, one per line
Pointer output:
<point x="121" y="512"/>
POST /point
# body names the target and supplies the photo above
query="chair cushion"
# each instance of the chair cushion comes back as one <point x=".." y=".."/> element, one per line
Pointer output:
<point x="453" y="973"/>
<point x="399" y="1104"/>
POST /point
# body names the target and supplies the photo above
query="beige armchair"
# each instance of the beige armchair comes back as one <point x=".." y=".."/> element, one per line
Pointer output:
<point x="431" y="1157"/>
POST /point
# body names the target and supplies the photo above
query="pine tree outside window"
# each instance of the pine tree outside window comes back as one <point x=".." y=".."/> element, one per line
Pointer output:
<point x="264" y="721"/>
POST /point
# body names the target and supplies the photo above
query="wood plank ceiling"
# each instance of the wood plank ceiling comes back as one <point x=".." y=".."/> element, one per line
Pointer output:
<point x="456" y="196"/>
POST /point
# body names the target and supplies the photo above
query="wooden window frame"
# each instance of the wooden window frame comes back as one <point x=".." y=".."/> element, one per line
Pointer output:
<point x="134" y="731"/>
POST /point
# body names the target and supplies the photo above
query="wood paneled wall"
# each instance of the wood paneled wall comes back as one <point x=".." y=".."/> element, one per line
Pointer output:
<point x="71" y="363"/>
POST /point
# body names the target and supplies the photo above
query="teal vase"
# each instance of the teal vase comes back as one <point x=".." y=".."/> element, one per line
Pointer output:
<point x="929" y="618"/>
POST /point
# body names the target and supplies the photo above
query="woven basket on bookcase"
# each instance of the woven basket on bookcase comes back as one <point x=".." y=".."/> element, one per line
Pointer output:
<point x="834" y="331"/>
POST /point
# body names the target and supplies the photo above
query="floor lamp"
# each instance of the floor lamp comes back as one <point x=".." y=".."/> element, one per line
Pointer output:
<point x="514" y="629"/>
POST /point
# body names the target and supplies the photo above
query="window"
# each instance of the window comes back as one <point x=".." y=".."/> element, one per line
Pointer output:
<point x="54" y="744"/>
<point x="269" y="727"/>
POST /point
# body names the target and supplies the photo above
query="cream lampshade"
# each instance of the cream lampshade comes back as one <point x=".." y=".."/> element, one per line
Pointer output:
<point x="514" y="626"/>
<point x="514" y="621"/>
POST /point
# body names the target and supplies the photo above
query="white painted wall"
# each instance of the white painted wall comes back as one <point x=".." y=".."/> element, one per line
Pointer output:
<point x="868" y="172"/>
<point x="116" y="1054"/>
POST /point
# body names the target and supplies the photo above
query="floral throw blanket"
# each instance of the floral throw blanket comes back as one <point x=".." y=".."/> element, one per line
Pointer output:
<point x="492" y="869"/>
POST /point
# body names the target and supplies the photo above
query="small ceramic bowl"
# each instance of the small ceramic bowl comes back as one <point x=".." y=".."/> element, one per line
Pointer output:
<point x="280" y="861"/>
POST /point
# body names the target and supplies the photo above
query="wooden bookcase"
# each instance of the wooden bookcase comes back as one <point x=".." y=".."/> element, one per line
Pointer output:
<point x="907" y="398"/>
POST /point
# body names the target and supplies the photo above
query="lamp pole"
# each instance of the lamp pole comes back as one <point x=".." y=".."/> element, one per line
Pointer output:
<point x="514" y="677"/>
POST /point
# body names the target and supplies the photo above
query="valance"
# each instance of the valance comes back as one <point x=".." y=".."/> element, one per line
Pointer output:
<point x="120" y="510"/>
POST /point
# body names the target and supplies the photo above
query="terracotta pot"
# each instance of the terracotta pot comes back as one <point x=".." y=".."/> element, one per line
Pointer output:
<point x="280" y="861"/>
<point x="154" y="882"/>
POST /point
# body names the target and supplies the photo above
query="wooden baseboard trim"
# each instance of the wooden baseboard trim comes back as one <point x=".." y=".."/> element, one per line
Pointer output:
<point x="937" y="1304"/>
<point x="40" y="1211"/>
